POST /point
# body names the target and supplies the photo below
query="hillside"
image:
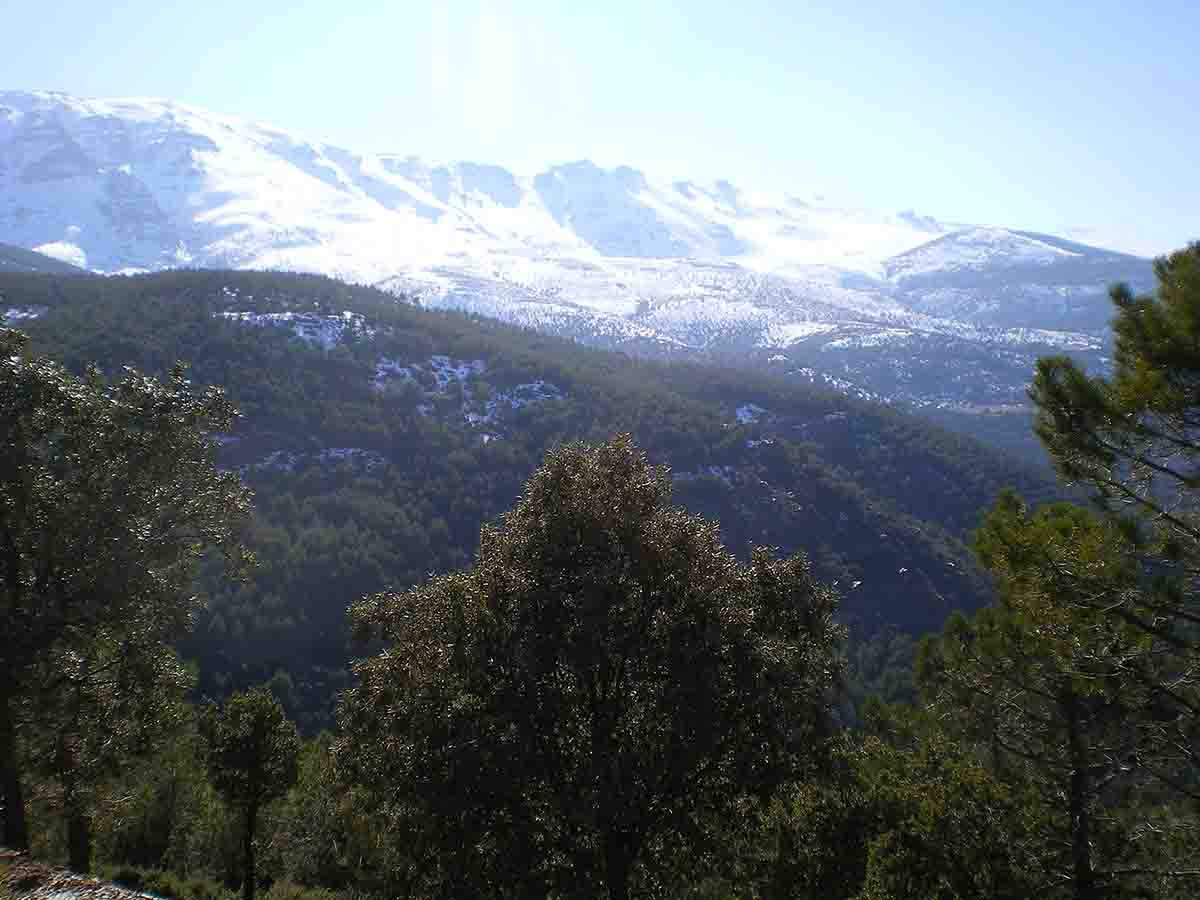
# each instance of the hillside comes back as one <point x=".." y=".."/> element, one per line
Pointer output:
<point x="18" y="259"/>
<point x="379" y="436"/>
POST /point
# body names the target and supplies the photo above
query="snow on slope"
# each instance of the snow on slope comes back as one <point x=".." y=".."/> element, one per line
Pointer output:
<point x="608" y="256"/>
<point x="975" y="248"/>
<point x="1013" y="279"/>
<point x="148" y="183"/>
<point x="18" y="259"/>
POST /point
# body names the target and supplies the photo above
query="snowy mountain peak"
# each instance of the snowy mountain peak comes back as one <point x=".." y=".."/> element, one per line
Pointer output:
<point x="148" y="183"/>
<point x="613" y="256"/>
<point x="975" y="249"/>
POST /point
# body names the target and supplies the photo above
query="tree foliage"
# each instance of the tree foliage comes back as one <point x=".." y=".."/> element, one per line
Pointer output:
<point x="109" y="496"/>
<point x="102" y="704"/>
<point x="251" y="750"/>
<point x="1061" y="698"/>
<point x="1133" y="440"/>
<point x="554" y="717"/>
<point x="904" y="813"/>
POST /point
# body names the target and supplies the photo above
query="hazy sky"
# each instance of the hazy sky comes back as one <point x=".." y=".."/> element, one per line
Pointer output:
<point x="1072" y="117"/>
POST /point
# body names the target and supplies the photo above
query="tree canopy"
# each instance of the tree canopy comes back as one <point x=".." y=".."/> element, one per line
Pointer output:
<point x="1133" y="441"/>
<point x="567" y="710"/>
<point x="1063" y="700"/>
<point x="109" y="497"/>
<point x="252" y="751"/>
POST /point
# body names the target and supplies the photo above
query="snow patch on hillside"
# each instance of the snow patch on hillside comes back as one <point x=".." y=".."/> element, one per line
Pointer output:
<point x="1061" y="340"/>
<point x="724" y="474"/>
<point x="439" y="372"/>
<point x="22" y="313"/>
<point x="845" y="386"/>
<point x="447" y="370"/>
<point x="440" y="369"/>
<point x="517" y="397"/>
<point x="387" y="369"/>
<point x="749" y="413"/>
<point x="64" y="251"/>
<point x="878" y="338"/>
<point x="787" y="333"/>
<point x="289" y="461"/>
<point x="321" y="331"/>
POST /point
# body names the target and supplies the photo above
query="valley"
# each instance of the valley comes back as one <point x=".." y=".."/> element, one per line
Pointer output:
<point x="379" y="436"/>
<point x="632" y="451"/>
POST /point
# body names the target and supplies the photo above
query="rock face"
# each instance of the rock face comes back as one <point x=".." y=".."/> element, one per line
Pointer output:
<point x="894" y="307"/>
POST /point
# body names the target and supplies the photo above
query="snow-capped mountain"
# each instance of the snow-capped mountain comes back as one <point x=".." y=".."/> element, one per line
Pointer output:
<point x="1013" y="279"/>
<point x="124" y="184"/>
<point x="614" y="257"/>
<point x="18" y="259"/>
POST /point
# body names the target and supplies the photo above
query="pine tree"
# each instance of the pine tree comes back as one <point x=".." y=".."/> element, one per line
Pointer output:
<point x="1133" y="440"/>
<point x="1058" y="698"/>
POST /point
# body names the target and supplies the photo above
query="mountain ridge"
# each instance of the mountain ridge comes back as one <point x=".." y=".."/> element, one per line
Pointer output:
<point x="899" y="308"/>
<point x="18" y="259"/>
<point x="96" y="136"/>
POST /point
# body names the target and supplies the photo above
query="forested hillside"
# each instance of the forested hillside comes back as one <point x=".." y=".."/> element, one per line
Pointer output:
<point x="378" y="437"/>
<point x="594" y="697"/>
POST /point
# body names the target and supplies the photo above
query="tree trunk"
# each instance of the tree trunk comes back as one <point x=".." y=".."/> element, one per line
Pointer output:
<point x="616" y="867"/>
<point x="16" y="830"/>
<point x="248" y="848"/>
<point x="1082" y="871"/>
<point x="79" y="840"/>
<point x="779" y="882"/>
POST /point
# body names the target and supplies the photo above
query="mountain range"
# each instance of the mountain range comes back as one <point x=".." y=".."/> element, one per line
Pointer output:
<point x="898" y="307"/>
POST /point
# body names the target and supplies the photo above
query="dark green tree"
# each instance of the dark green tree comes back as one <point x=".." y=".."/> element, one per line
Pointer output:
<point x="1053" y="693"/>
<point x="1133" y="441"/>
<point x="1132" y="438"/>
<point x="904" y="812"/>
<point x="109" y="496"/>
<point x="604" y="680"/>
<point x="251" y="752"/>
<point x="106" y="702"/>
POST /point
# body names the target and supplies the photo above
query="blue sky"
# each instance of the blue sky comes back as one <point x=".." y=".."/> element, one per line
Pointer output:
<point x="1070" y="117"/>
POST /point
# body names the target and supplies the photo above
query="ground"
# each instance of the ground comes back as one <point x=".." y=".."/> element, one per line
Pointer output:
<point x="24" y="879"/>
